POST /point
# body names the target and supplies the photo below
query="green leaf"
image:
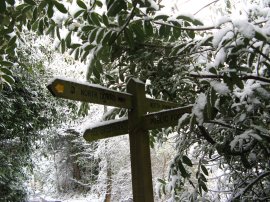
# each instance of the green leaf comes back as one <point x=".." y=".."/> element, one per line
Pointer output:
<point x="6" y="71"/>
<point x="84" y="54"/>
<point x="95" y="18"/>
<point x="189" y="19"/>
<point x="35" y="26"/>
<point x="42" y="5"/>
<point x="12" y="41"/>
<point x="116" y="7"/>
<point x="100" y="35"/>
<point x="81" y="4"/>
<point x="182" y="169"/>
<point x="77" y="53"/>
<point x="251" y="58"/>
<point x="260" y="36"/>
<point x="68" y="40"/>
<point x="2" y="6"/>
<point x="138" y="30"/>
<point x="203" y="186"/>
<point x="60" y="7"/>
<point x="192" y="123"/>
<point x="105" y="20"/>
<point x="75" y="45"/>
<point x="99" y="4"/>
<point x="88" y="28"/>
<point x="129" y="37"/>
<point x="35" y="14"/>
<point x="161" y="181"/>
<point x="58" y="33"/>
<point x="148" y="28"/>
<point x="161" y="17"/>
<point x="197" y="22"/>
<point x="162" y="30"/>
<point x="78" y="13"/>
<point x="8" y="79"/>
<point x="11" y="2"/>
<point x="106" y="38"/>
<point x="96" y="73"/>
<point x="89" y="47"/>
<point x="204" y="170"/>
<point x="112" y="38"/>
<point x="92" y="35"/>
<point x="187" y="161"/>
<point x="63" y="46"/>
<point x="202" y="177"/>
<point x="176" y="33"/>
<point x="40" y="26"/>
<point x="31" y="2"/>
<point x="50" y="10"/>
<point x="6" y="63"/>
<point x="99" y="67"/>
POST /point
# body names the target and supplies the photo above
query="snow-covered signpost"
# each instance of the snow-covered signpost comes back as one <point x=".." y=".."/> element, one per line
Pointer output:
<point x="137" y="124"/>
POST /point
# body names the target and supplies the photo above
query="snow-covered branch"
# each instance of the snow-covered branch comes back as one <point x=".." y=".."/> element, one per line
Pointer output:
<point x="250" y="185"/>
<point x="245" y="77"/>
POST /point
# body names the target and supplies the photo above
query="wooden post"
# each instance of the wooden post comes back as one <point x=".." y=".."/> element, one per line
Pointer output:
<point x="139" y="144"/>
<point x="137" y="124"/>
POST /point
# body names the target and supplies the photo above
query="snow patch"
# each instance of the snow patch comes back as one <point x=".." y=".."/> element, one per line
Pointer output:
<point x="245" y="28"/>
<point x="199" y="107"/>
<point x="220" y="88"/>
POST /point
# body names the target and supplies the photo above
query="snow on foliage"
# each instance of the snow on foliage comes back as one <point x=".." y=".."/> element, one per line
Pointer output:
<point x="220" y="88"/>
<point x="199" y="107"/>
<point x="246" y="136"/>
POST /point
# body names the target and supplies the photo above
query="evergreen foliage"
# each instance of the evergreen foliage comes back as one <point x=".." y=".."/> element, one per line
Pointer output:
<point x="223" y="70"/>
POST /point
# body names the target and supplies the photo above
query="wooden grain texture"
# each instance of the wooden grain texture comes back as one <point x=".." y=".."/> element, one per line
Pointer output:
<point x="89" y="93"/>
<point x="139" y="145"/>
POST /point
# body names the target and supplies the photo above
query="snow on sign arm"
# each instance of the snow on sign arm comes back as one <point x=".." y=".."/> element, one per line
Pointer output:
<point x="106" y="129"/>
<point x="85" y="92"/>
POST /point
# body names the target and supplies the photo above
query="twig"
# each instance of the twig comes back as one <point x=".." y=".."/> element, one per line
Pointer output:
<point x="245" y="77"/>
<point x="206" y="135"/>
<point x="128" y="20"/>
<point x="199" y="28"/>
<point x="225" y="125"/>
<point x="250" y="185"/>
<point x="205" y="6"/>
<point x="260" y="52"/>
<point x="93" y="5"/>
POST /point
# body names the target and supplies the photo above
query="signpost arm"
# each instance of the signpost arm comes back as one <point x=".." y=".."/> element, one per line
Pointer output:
<point x="139" y="145"/>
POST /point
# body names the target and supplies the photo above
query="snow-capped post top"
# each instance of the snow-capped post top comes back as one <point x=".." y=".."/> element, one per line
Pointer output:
<point x="136" y="124"/>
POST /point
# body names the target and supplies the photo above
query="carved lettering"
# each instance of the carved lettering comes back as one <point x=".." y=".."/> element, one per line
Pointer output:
<point x="107" y="96"/>
<point x="89" y="93"/>
<point x="72" y="89"/>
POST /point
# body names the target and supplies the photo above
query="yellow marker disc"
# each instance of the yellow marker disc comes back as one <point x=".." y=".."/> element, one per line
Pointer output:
<point x="59" y="88"/>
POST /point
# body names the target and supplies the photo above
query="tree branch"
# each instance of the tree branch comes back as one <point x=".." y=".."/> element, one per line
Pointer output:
<point x="132" y="13"/>
<point x="250" y="185"/>
<point x="205" y="6"/>
<point x="226" y="125"/>
<point x="245" y="77"/>
<point x="206" y="135"/>
<point x="199" y="28"/>
<point x="260" y="52"/>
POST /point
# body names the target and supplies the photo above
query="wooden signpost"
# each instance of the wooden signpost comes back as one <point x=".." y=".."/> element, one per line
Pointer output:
<point x="136" y="124"/>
